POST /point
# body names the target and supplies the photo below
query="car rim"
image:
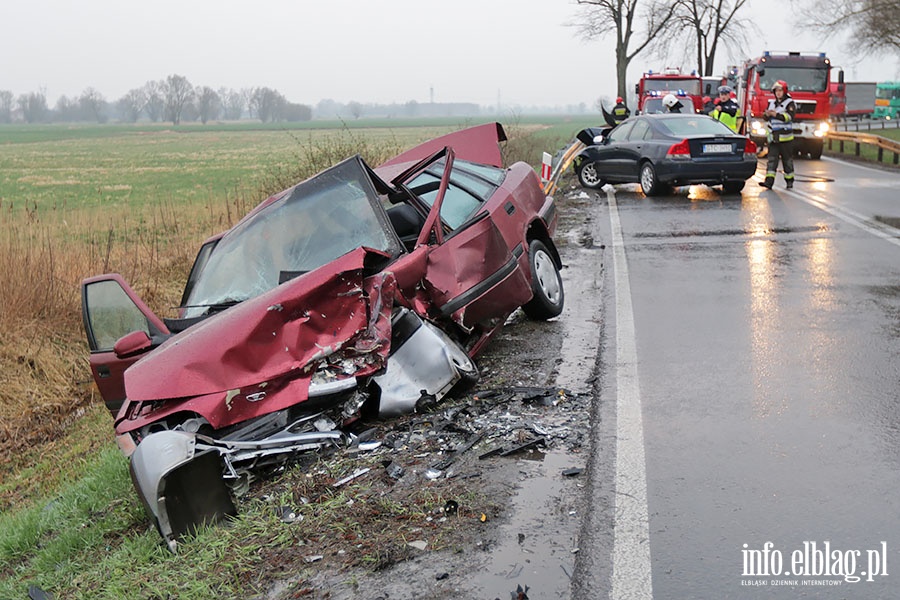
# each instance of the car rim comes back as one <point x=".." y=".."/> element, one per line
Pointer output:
<point x="547" y="277"/>
<point x="646" y="178"/>
<point x="589" y="174"/>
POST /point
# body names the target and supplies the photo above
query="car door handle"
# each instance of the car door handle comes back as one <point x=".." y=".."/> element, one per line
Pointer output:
<point x="103" y="372"/>
<point x="509" y="208"/>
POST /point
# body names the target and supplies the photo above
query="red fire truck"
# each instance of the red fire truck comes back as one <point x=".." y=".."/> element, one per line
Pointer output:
<point x="808" y="76"/>
<point x="652" y="87"/>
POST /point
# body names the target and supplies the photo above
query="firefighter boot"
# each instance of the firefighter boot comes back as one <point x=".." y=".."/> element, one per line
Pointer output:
<point x="768" y="183"/>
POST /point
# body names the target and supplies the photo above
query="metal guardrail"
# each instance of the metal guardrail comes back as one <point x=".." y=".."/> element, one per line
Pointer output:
<point x="562" y="163"/>
<point x="867" y="125"/>
<point x="882" y="144"/>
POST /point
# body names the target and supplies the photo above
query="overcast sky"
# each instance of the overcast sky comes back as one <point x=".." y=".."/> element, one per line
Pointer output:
<point x="517" y="52"/>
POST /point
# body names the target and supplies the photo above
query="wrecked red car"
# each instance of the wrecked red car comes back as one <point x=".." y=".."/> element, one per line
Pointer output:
<point x="359" y="291"/>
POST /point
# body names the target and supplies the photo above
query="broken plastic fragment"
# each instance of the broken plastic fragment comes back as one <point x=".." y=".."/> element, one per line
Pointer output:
<point x="418" y="544"/>
<point x="289" y="515"/>
<point x="351" y="477"/>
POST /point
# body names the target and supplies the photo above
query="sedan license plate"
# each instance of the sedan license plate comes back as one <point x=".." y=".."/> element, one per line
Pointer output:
<point x="716" y="148"/>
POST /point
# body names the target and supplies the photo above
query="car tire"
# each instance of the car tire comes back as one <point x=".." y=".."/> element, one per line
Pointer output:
<point x="546" y="284"/>
<point x="649" y="182"/>
<point x="815" y="153"/>
<point x="733" y="187"/>
<point x="588" y="176"/>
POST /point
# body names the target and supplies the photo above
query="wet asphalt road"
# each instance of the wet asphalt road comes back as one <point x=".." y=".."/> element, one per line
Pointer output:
<point x="747" y="434"/>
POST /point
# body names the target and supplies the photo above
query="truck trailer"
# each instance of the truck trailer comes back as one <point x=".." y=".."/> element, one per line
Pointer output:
<point x="852" y="100"/>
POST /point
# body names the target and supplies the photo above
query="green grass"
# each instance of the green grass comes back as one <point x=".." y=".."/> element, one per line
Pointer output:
<point x="107" y="167"/>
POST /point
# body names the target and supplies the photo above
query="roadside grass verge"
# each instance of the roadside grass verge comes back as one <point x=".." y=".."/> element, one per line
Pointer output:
<point x="92" y="540"/>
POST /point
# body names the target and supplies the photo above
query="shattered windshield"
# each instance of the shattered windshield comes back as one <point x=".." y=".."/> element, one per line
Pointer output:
<point x="314" y="223"/>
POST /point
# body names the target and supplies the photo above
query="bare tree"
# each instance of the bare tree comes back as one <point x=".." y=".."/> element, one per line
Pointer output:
<point x="873" y="25"/>
<point x="267" y="104"/>
<point x="92" y="105"/>
<point x="355" y="108"/>
<point x="178" y="92"/>
<point x="233" y="103"/>
<point x="131" y="105"/>
<point x="209" y="104"/>
<point x="6" y="106"/>
<point x="602" y="17"/>
<point x="34" y="107"/>
<point x="707" y="25"/>
<point x="155" y="104"/>
<point x="66" y="109"/>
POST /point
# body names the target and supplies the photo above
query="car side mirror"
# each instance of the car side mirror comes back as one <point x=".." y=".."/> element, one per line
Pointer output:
<point x="599" y="139"/>
<point x="761" y="71"/>
<point x="131" y="344"/>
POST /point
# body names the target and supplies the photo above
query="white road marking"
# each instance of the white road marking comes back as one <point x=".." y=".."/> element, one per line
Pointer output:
<point x="847" y="215"/>
<point x="631" y="534"/>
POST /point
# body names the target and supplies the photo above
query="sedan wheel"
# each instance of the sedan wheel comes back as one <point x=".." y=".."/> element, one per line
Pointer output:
<point x="649" y="183"/>
<point x="732" y="187"/>
<point x="588" y="176"/>
<point x="546" y="284"/>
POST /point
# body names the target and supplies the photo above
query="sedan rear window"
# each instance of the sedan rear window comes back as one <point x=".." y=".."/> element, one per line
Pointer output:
<point x="699" y="125"/>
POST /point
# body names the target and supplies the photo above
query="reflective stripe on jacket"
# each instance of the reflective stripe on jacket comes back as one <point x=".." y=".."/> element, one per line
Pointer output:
<point x="781" y="126"/>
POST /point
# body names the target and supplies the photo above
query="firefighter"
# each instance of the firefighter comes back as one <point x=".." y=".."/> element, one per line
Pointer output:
<point x="708" y="105"/>
<point x="727" y="110"/>
<point x="672" y="104"/>
<point x="620" y="111"/>
<point x="780" y="124"/>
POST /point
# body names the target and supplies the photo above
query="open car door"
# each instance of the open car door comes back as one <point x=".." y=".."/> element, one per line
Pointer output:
<point x="471" y="274"/>
<point x="120" y="329"/>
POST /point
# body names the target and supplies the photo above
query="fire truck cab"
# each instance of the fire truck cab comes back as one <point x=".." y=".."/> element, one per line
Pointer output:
<point x="808" y="76"/>
<point x="653" y="87"/>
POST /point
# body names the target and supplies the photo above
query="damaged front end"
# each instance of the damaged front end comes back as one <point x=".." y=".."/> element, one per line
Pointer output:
<point x="189" y="474"/>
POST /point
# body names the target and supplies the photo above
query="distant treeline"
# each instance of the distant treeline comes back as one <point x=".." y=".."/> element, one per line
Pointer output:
<point x="174" y="99"/>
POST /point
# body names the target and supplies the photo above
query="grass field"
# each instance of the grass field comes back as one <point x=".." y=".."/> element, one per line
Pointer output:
<point x="76" y="201"/>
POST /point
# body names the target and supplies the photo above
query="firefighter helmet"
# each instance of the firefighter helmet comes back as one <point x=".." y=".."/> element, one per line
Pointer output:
<point x="781" y="83"/>
<point x="619" y="100"/>
<point x="670" y="100"/>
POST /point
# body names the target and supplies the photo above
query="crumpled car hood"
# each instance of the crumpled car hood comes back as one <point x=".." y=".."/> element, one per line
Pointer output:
<point x="279" y="334"/>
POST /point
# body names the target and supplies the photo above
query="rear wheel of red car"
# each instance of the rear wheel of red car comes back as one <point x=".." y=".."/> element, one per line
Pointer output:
<point x="546" y="283"/>
<point x="649" y="183"/>
<point x="588" y="176"/>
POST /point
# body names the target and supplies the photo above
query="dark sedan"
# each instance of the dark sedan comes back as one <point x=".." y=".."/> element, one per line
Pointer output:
<point x="661" y="151"/>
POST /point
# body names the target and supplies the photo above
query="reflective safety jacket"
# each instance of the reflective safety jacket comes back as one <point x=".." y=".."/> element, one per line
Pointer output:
<point x="781" y="125"/>
<point x="620" y="113"/>
<point x="729" y="113"/>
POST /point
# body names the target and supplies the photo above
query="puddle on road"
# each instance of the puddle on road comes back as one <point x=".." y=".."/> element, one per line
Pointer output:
<point x="537" y="546"/>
